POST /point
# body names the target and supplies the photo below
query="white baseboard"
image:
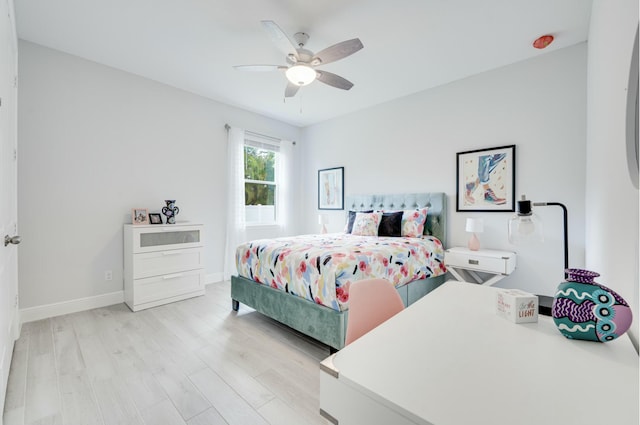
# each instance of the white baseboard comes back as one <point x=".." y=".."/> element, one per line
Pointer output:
<point x="32" y="314"/>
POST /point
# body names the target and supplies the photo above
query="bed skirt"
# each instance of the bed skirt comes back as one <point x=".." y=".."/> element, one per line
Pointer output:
<point x="317" y="321"/>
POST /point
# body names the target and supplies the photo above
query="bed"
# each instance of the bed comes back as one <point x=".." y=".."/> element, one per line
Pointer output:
<point x="318" y="313"/>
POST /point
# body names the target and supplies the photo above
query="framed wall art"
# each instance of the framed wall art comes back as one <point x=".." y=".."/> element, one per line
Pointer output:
<point x="486" y="179"/>
<point x="331" y="189"/>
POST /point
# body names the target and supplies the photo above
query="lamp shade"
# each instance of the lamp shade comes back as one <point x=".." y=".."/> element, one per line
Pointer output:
<point x="475" y="225"/>
<point x="323" y="218"/>
<point x="301" y="75"/>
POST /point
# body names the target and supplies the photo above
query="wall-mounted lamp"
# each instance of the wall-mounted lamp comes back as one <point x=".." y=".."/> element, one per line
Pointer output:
<point x="474" y="225"/>
<point x="526" y="226"/>
<point x="323" y="220"/>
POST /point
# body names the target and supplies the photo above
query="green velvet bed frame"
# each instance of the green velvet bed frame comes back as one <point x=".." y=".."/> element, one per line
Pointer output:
<point x="323" y="323"/>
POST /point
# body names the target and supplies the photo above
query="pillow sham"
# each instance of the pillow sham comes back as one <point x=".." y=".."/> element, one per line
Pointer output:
<point x="413" y="222"/>
<point x="366" y="224"/>
<point x="352" y="217"/>
<point x="391" y="224"/>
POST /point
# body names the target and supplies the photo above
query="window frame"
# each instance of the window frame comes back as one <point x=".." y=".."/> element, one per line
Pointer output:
<point x="265" y="144"/>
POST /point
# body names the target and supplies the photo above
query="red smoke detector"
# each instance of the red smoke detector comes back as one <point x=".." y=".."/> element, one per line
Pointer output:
<point x="543" y="41"/>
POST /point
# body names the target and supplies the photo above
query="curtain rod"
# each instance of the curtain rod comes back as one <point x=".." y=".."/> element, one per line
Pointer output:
<point x="227" y="127"/>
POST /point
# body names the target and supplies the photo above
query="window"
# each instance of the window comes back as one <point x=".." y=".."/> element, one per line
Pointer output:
<point x="260" y="181"/>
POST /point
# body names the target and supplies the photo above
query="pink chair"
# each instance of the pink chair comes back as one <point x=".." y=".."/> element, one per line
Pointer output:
<point x="371" y="302"/>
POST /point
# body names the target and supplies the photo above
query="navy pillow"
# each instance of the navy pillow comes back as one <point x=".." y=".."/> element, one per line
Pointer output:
<point x="352" y="219"/>
<point x="391" y="224"/>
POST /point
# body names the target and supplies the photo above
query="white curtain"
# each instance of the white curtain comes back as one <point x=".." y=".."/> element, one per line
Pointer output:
<point x="236" y="223"/>
<point x="285" y="199"/>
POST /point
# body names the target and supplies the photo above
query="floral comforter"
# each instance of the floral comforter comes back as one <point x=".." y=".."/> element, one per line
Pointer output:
<point x="320" y="268"/>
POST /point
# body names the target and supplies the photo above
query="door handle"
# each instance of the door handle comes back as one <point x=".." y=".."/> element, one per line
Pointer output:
<point x="15" y="240"/>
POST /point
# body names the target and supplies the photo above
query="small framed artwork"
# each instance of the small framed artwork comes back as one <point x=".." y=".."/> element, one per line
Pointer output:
<point x="140" y="216"/>
<point x="331" y="189"/>
<point x="486" y="180"/>
<point x="155" y="218"/>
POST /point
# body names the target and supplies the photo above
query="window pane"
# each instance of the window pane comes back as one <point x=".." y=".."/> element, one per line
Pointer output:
<point x="260" y="202"/>
<point x="259" y="164"/>
<point x="259" y="194"/>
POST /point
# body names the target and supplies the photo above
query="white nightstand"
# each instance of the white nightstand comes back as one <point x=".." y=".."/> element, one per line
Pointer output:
<point x="497" y="263"/>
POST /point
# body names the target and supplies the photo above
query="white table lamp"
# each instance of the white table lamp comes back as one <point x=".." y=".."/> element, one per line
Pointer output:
<point x="323" y="220"/>
<point x="474" y="225"/>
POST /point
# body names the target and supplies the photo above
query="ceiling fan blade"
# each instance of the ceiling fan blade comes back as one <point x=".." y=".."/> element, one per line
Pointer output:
<point x="291" y="90"/>
<point x="279" y="38"/>
<point x="334" y="80"/>
<point x="337" y="51"/>
<point x="259" y="68"/>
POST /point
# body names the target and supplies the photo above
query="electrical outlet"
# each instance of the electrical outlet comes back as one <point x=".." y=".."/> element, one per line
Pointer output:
<point x="108" y="275"/>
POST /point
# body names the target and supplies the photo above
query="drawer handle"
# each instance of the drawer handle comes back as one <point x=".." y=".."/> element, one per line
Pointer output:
<point x="474" y="262"/>
<point x="172" y="276"/>
<point x="165" y="253"/>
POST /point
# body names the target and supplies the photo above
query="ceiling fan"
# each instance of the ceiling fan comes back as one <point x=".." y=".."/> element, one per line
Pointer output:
<point x="301" y="69"/>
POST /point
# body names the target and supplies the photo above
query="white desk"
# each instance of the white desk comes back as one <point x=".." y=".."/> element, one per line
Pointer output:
<point x="449" y="360"/>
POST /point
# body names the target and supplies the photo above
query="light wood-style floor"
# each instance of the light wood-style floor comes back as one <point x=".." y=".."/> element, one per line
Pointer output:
<point x="192" y="362"/>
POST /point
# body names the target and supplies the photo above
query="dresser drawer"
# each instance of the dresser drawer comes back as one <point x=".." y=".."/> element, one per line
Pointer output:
<point x="165" y="262"/>
<point x="158" y="238"/>
<point x="482" y="261"/>
<point x="161" y="287"/>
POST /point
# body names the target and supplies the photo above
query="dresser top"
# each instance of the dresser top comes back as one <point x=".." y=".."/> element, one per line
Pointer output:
<point x="493" y="253"/>
<point x="177" y="224"/>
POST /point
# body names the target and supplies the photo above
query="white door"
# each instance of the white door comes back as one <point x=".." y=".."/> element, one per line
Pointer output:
<point x="8" y="193"/>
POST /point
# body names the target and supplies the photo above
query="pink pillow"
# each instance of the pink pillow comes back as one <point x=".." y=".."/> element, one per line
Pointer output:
<point x="413" y="222"/>
<point x="366" y="224"/>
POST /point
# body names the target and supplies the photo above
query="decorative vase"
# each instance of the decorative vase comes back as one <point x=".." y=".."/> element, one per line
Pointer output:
<point x="585" y="309"/>
<point x="170" y="211"/>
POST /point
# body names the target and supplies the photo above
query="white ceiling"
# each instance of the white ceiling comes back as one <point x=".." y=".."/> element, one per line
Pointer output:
<point x="409" y="45"/>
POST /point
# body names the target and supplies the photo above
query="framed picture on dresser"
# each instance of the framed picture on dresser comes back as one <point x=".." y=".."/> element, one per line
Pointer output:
<point x="140" y="216"/>
<point x="155" y="218"/>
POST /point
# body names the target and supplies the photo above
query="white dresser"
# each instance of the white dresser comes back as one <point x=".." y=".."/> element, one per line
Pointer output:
<point x="162" y="264"/>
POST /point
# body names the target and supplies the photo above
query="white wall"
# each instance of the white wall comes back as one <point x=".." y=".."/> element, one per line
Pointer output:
<point x="612" y="199"/>
<point x="410" y="145"/>
<point x="94" y="143"/>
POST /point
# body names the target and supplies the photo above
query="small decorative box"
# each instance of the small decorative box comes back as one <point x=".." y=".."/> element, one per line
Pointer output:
<point x="517" y="306"/>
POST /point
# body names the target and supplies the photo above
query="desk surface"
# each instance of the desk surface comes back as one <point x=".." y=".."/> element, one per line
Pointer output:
<point x="449" y="360"/>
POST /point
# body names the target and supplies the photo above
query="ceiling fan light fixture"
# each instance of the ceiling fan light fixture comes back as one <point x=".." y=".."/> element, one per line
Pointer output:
<point x="301" y="75"/>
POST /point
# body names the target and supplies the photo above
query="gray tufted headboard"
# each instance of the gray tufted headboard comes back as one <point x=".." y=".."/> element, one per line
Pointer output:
<point x="436" y="201"/>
